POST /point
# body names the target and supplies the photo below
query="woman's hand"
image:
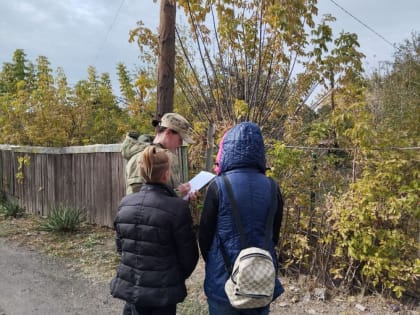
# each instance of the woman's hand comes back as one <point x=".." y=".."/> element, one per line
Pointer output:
<point x="185" y="189"/>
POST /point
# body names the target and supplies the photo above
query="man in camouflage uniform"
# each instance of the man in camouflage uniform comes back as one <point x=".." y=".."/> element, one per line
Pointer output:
<point x="171" y="131"/>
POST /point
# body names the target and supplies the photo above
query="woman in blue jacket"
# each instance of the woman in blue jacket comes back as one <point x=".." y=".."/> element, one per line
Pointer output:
<point x="242" y="161"/>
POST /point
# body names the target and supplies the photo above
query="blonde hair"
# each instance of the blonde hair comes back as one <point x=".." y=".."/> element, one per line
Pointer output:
<point x="154" y="162"/>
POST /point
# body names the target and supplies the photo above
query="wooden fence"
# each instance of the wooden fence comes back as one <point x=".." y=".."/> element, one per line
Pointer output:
<point x="90" y="178"/>
<point x="87" y="177"/>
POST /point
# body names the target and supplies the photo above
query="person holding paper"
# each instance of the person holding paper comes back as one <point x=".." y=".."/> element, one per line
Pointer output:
<point x="171" y="131"/>
<point x="156" y="241"/>
<point x="241" y="159"/>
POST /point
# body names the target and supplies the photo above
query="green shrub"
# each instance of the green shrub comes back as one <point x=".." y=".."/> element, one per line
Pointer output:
<point x="63" y="219"/>
<point x="375" y="226"/>
<point x="10" y="209"/>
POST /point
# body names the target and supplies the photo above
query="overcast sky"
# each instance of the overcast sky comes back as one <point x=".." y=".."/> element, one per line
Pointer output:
<point x="74" y="34"/>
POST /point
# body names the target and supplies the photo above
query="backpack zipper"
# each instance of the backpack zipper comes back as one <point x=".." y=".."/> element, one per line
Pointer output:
<point x="255" y="255"/>
<point x="256" y="296"/>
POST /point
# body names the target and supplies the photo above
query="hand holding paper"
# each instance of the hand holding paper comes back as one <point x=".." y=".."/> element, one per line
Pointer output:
<point x="199" y="181"/>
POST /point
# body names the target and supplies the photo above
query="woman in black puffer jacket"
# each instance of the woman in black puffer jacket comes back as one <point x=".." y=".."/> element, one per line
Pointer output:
<point x="156" y="241"/>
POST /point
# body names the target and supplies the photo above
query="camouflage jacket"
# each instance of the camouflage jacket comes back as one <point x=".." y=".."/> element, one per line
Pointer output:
<point x="131" y="151"/>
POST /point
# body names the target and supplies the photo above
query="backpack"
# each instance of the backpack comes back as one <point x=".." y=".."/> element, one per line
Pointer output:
<point x="251" y="281"/>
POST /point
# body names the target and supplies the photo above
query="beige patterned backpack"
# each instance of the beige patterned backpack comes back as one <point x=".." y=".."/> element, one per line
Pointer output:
<point x="252" y="278"/>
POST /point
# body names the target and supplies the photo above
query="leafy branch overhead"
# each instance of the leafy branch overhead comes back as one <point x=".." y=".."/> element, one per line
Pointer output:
<point x="268" y="56"/>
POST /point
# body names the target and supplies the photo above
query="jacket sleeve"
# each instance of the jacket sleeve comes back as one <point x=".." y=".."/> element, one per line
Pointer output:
<point x="186" y="243"/>
<point x="117" y="237"/>
<point x="208" y="220"/>
<point x="278" y="217"/>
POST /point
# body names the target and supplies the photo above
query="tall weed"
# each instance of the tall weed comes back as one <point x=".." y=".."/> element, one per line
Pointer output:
<point x="10" y="209"/>
<point x="63" y="219"/>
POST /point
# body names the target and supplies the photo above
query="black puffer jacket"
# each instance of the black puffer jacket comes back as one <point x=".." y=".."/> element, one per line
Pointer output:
<point x="157" y="245"/>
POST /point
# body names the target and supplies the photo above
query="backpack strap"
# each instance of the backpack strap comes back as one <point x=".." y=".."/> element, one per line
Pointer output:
<point x="235" y="212"/>
<point x="237" y="218"/>
<point x="228" y="265"/>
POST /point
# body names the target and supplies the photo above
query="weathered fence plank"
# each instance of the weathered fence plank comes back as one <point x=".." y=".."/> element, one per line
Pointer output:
<point x="87" y="177"/>
<point x="90" y="178"/>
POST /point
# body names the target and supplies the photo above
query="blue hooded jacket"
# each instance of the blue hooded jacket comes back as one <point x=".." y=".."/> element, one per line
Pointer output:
<point x="243" y="162"/>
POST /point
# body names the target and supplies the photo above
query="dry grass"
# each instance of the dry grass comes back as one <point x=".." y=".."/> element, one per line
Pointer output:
<point x="90" y="250"/>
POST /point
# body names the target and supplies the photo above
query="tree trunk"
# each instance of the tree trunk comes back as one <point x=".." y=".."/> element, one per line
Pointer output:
<point x="210" y="147"/>
<point x="166" y="65"/>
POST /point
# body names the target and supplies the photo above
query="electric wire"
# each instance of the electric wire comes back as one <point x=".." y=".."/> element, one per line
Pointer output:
<point x="365" y="25"/>
<point x="108" y="32"/>
<point x="350" y="149"/>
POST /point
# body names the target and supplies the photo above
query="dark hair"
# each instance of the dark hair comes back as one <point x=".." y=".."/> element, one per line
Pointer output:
<point x="153" y="163"/>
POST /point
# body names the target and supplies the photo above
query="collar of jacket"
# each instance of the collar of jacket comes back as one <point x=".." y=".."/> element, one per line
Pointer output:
<point x="159" y="187"/>
<point x="241" y="170"/>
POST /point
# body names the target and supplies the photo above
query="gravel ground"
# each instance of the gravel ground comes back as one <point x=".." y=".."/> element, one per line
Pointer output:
<point x="35" y="283"/>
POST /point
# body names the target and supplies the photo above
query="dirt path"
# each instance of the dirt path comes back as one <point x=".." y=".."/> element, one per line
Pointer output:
<point x="38" y="284"/>
<point x="33" y="283"/>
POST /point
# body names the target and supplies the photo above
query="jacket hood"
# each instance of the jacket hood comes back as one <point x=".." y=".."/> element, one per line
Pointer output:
<point x="131" y="146"/>
<point x="243" y="147"/>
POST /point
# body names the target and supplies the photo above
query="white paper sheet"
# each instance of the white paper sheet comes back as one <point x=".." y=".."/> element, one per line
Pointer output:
<point x="199" y="181"/>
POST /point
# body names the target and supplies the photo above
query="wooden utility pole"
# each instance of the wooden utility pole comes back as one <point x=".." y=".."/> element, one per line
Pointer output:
<point x="166" y="63"/>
